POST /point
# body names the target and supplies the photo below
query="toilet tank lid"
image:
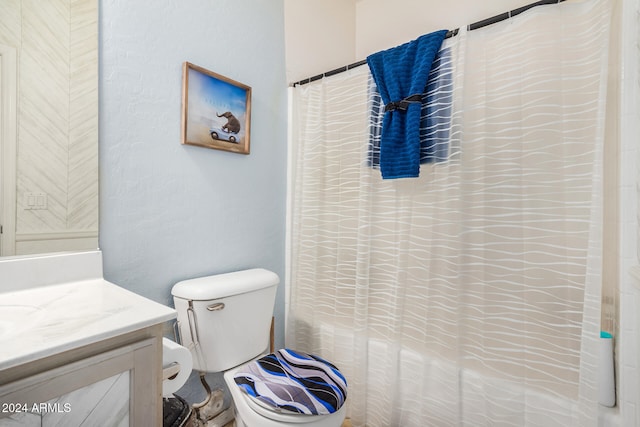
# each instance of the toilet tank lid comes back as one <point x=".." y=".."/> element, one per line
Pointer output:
<point x="225" y="285"/>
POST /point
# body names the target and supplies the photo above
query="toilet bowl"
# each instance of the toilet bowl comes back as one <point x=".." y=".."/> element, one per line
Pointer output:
<point x="224" y="321"/>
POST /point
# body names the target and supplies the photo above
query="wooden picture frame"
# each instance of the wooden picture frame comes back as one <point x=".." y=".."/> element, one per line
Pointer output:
<point x="216" y="110"/>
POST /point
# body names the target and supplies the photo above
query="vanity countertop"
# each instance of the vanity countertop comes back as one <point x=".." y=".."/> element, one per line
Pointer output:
<point x="42" y="321"/>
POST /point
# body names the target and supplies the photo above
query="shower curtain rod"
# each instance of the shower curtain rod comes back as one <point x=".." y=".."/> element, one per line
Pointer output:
<point x="450" y="33"/>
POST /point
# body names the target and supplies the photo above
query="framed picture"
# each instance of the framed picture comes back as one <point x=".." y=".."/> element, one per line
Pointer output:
<point x="216" y="111"/>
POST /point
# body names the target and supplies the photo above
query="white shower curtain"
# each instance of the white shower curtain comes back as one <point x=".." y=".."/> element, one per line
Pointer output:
<point x="471" y="295"/>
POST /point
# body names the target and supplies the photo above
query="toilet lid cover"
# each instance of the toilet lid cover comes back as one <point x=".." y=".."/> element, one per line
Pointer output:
<point x="293" y="381"/>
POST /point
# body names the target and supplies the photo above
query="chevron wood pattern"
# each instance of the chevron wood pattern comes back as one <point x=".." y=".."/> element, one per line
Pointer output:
<point x="82" y="206"/>
<point x="58" y="112"/>
<point x="10" y="22"/>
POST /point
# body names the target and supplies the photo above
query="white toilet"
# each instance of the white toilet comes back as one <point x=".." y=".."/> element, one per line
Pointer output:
<point x="224" y="320"/>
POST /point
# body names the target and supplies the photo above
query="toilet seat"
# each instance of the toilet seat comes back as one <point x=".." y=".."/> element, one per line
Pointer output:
<point x="293" y="384"/>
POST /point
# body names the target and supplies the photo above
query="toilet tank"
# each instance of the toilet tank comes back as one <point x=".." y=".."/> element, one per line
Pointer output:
<point x="224" y="320"/>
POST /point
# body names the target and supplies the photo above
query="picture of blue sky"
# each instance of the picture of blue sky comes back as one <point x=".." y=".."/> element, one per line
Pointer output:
<point x="207" y="97"/>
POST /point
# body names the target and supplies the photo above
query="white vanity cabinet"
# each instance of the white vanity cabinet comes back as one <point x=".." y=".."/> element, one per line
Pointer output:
<point x="89" y="386"/>
<point x="75" y="349"/>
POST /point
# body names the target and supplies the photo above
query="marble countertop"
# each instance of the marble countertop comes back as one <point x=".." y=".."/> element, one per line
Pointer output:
<point x="42" y="321"/>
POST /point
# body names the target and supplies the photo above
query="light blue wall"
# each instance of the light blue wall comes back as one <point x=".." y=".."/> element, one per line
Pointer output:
<point x="168" y="211"/>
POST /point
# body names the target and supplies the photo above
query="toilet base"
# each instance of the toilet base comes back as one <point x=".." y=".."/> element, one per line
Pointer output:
<point x="211" y="412"/>
<point x="223" y="419"/>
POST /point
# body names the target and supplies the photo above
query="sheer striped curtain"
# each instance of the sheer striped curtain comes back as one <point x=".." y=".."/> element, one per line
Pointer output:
<point x="471" y="295"/>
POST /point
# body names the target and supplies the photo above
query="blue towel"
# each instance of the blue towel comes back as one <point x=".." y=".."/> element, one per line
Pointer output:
<point x="435" y="117"/>
<point x="401" y="75"/>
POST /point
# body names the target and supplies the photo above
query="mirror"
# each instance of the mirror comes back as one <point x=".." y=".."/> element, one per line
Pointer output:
<point x="48" y="126"/>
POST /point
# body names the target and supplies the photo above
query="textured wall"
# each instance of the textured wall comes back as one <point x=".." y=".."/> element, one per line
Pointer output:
<point x="168" y="211"/>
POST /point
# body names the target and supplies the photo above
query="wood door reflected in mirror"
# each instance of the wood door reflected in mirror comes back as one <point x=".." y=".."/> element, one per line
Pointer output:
<point x="49" y="168"/>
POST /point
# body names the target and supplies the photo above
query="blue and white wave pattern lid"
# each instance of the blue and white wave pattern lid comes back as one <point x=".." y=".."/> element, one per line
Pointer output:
<point x="295" y="382"/>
